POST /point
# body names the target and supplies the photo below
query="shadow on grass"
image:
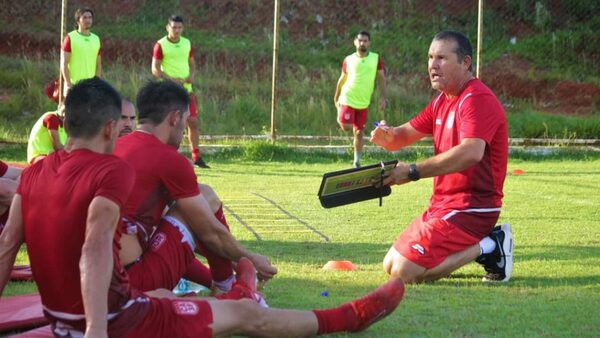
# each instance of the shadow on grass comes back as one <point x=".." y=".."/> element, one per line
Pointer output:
<point x="319" y="253"/>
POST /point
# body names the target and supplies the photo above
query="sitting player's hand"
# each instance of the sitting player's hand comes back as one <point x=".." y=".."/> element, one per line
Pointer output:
<point x="264" y="269"/>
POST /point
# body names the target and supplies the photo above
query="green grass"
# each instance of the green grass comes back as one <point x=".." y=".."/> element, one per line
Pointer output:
<point x="553" y="210"/>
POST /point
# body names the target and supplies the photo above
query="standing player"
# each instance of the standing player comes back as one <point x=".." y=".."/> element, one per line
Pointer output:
<point x="47" y="135"/>
<point x="81" y="51"/>
<point x="355" y="87"/>
<point x="84" y="289"/>
<point x="173" y="59"/>
<point x="470" y="140"/>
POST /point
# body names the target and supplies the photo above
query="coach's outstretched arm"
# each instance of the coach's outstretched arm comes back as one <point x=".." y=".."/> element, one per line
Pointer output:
<point x="10" y="241"/>
<point x="198" y="215"/>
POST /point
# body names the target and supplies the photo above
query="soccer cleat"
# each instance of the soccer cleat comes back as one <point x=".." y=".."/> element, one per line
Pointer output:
<point x="377" y="304"/>
<point x="499" y="263"/>
<point x="245" y="284"/>
<point x="356" y="164"/>
<point x="200" y="163"/>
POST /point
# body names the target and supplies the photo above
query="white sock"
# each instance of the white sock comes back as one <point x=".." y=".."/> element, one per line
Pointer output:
<point x="356" y="157"/>
<point x="225" y="285"/>
<point x="487" y="245"/>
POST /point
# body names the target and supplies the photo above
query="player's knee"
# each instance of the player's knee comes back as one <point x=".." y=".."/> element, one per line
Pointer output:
<point x="397" y="267"/>
<point x="211" y="197"/>
<point x="359" y="132"/>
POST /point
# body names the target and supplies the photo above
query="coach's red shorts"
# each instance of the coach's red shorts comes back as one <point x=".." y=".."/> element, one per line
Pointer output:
<point x="349" y="115"/>
<point x="429" y="241"/>
<point x="164" y="262"/>
<point x="193" y="106"/>
<point x="185" y="317"/>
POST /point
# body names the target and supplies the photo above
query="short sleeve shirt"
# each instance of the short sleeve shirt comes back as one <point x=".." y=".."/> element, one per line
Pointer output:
<point x="162" y="175"/>
<point x="56" y="194"/>
<point x="474" y="113"/>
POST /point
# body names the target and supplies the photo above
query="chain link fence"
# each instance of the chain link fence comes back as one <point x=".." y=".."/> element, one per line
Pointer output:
<point x="541" y="56"/>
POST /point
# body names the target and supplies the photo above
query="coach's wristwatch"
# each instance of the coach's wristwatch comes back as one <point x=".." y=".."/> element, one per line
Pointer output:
<point x="413" y="173"/>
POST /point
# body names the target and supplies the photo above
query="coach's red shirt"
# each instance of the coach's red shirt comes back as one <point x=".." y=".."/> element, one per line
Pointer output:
<point x="474" y="113"/>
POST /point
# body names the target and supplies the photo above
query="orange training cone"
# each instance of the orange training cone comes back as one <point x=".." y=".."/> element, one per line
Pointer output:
<point x="340" y="266"/>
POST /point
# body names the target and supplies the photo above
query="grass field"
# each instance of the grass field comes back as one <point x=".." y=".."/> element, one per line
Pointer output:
<point x="272" y="208"/>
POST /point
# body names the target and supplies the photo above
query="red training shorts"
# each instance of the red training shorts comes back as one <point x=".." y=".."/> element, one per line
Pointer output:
<point x="429" y="241"/>
<point x="185" y="317"/>
<point x="164" y="262"/>
<point x="349" y="115"/>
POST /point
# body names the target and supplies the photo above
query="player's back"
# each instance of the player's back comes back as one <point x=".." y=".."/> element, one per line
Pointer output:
<point x="56" y="194"/>
<point x="162" y="175"/>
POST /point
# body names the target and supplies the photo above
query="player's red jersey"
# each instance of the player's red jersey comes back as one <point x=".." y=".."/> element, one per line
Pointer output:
<point x="474" y="113"/>
<point x="3" y="168"/>
<point x="55" y="195"/>
<point x="161" y="175"/>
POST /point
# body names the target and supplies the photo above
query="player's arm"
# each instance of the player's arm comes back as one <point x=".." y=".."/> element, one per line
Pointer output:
<point x="99" y="66"/>
<point x="8" y="188"/>
<point x="96" y="263"/>
<point x="56" y="145"/>
<point x="192" y="70"/>
<point x="394" y="138"/>
<point x="338" y="87"/>
<point x="198" y="215"/>
<point x="158" y="73"/>
<point x="382" y="85"/>
<point x="64" y="68"/>
<point x="12" y="173"/>
<point x="460" y="157"/>
<point x="10" y="241"/>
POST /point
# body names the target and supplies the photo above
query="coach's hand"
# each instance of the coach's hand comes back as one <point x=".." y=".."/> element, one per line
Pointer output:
<point x="398" y="175"/>
<point x="382" y="135"/>
<point x="264" y="269"/>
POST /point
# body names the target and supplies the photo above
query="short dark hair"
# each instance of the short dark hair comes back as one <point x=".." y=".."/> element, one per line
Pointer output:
<point x="365" y="33"/>
<point x="79" y="12"/>
<point x="156" y="99"/>
<point x="89" y="105"/>
<point x="175" y="18"/>
<point x="463" y="45"/>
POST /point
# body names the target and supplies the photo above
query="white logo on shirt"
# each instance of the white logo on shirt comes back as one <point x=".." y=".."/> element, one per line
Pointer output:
<point x="450" y="120"/>
<point x="438" y="122"/>
<point x="157" y="241"/>
<point x="185" y="308"/>
<point x="419" y="248"/>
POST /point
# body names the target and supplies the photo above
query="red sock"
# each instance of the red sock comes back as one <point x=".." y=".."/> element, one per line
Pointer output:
<point x="198" y="273"/>
<point x="339" y="319"/>
<point x="220" y="268"/>
<point x="195" y="154"/>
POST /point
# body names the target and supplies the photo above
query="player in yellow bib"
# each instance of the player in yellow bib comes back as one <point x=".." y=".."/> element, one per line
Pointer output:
<point x="47" y="135"/>
<point x="81" y="51"/>
<point x="173" y="59"/>
<point x="355" y="88"/>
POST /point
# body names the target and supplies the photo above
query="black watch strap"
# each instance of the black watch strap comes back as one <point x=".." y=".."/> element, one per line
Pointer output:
<point x="413" y="173"/>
